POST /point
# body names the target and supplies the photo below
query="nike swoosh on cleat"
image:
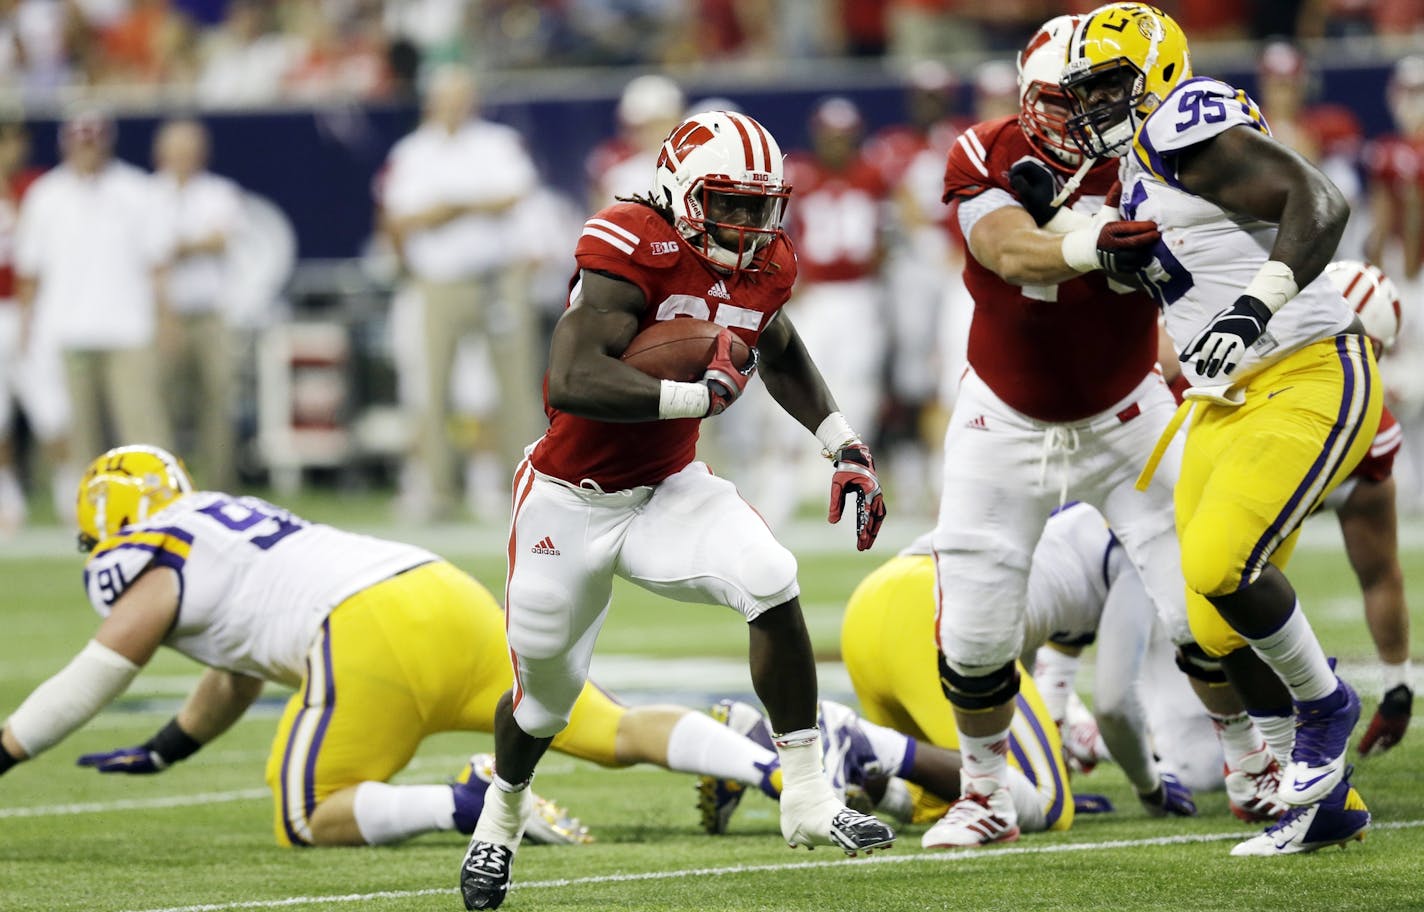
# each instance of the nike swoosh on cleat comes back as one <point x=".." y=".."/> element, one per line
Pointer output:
<point x="1301" y="786"/>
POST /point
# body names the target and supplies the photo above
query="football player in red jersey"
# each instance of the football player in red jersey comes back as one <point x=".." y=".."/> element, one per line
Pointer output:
<point x="1062" y="400"/>
<point x="613" y="488"/>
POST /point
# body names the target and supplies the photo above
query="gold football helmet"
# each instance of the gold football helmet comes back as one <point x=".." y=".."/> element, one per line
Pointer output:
<point x="1123" y="60"/>
<point x="127" y="485"/>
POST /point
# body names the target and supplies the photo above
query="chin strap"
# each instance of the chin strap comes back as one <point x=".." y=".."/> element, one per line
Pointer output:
<point x="1071" y="185"/>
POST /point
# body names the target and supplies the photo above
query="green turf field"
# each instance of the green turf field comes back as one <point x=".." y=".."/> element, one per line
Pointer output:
<point x="198" y="836"/>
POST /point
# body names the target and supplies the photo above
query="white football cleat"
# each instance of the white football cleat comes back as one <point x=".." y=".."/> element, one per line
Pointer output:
<point x="1251" y="787"/>
<point x="1083" y="744"/>
<point x="825" y="821"/>
<point x="1338" y="820"/>
<point x="1322" y="735"/>
<point x="983" y="814"/>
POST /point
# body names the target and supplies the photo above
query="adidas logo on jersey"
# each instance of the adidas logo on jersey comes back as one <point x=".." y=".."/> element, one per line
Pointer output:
<point x="545" y="546"/>
<point x="719" y="291"/>
<point x="978" y="424"/>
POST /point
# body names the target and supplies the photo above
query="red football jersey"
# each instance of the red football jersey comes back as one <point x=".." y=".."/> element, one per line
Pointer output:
<point x="1378" y="463"/>
<point x="1060" y="352"/>
<point x="1396" y="163"/>
<point x="836" y="218"/>
<point x="636" y="244"/>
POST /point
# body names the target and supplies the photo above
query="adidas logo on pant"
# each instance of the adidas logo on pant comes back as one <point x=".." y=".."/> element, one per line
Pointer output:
<point x="545" y="546"/>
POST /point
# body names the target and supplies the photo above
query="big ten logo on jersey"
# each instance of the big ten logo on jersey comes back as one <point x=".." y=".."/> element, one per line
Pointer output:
<point x="260" y="523"/>
<point x="716" y="306"/>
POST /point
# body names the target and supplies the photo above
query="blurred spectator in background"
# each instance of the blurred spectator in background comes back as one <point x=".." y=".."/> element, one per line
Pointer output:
<point x="996" y="90"/>
<point x="448" y="200"/>
<point x="340" y="57"/>
<point x="1328" y="134"/>
<point x="32" y="379"/>
<point x="926" y="290"/>
<point x="243" y="61"/>
<point x="1396" y="242"/>
<point x="650" y="106"/>
<point x="837" y="219"/>
<point x="205" y="211"/>
<point x="89" y="258"/>
<point x="151" y="43"/>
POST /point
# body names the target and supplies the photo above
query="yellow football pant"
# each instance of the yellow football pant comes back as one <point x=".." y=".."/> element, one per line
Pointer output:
<point x="1251" y="474"/>
<point x="888" y="644"/>
<point x="420" y="653"/>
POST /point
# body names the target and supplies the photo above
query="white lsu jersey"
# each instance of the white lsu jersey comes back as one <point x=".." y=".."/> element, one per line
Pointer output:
<point x="255" y="581"/>
<point x="1207" y="256"/>
<point x="1068" y="579"/>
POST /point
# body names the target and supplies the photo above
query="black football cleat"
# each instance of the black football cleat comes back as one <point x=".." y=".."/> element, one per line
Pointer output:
<point x="485" y="874"/>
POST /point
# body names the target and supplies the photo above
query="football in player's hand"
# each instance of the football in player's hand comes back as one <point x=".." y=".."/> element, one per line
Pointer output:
<point x="680" y="349"/>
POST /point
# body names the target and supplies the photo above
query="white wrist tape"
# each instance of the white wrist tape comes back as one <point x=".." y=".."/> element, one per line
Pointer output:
<point x="91" y="681"/>
<point x="683" y="400"/>
<point x="1080" y="248"/>
<point x="1273" y="285"/>
<point x="1066" y="220"/>
<point x="835" y="432"/>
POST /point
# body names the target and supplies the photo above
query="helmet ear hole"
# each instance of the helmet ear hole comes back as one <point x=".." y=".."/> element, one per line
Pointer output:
<point x="1168" y="70"/>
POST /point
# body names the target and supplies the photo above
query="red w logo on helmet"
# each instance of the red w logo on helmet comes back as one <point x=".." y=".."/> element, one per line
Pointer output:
<point x="687" y="137"/>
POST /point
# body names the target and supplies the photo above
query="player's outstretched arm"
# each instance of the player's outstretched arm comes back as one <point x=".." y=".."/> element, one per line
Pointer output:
<point x="585" y="376"/>
<point x="1246" y="172"/>
<point x="124" y="643"/>
<point x="219" y="699"/>
<point x="1010" y="243"/>
<point x="791" y="376"/>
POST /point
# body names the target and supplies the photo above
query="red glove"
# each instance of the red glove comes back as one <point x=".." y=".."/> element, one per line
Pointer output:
<point x="1126" y="247"/>
<point x="855" y="471"/>
<point x="724" y="381"/>
<point x="1390" y="722"/>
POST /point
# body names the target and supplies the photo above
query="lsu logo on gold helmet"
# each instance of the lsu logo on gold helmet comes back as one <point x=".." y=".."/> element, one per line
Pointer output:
<point x="127" y="485"/>
<point x="1123" y="60"/>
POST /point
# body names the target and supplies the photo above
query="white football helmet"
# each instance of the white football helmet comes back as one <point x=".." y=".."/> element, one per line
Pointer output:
<point x="1044" y="106"/>
<point x="720" y="172"/>
<point x="1372" y="295"/>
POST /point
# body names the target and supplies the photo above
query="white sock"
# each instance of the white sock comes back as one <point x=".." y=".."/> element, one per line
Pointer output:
<point x="1294" y="654"/>
<point x="1395" y="675"/>
<point x="893" y="750"/>
<point x="985" y="757"/>
<point x="1279" y="732"/>
<point x="1054" y="673"/>
<point x="1029" y="802"/>
<point x="702" y="745"/>
<point x="505" y="813"/>
<point x="389" y="813"/>
<point x="801" y="769"/>
<point x="1238" y="737"/>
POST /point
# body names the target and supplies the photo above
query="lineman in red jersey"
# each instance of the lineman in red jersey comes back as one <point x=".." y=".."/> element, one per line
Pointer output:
<point x="1062" y="401"/>
<point x="613" y="488"/>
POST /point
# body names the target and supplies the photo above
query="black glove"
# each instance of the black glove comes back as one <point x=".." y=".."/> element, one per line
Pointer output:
<point x="1223" y="342"/>
<point x="1036" y="185"/>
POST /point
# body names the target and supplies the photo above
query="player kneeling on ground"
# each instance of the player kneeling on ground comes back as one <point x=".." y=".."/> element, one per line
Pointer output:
<point x="385" y="643"/>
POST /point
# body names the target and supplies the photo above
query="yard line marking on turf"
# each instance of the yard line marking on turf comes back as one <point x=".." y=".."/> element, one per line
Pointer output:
<point x="132" y="804"/>
<point x="936" y="857"/>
